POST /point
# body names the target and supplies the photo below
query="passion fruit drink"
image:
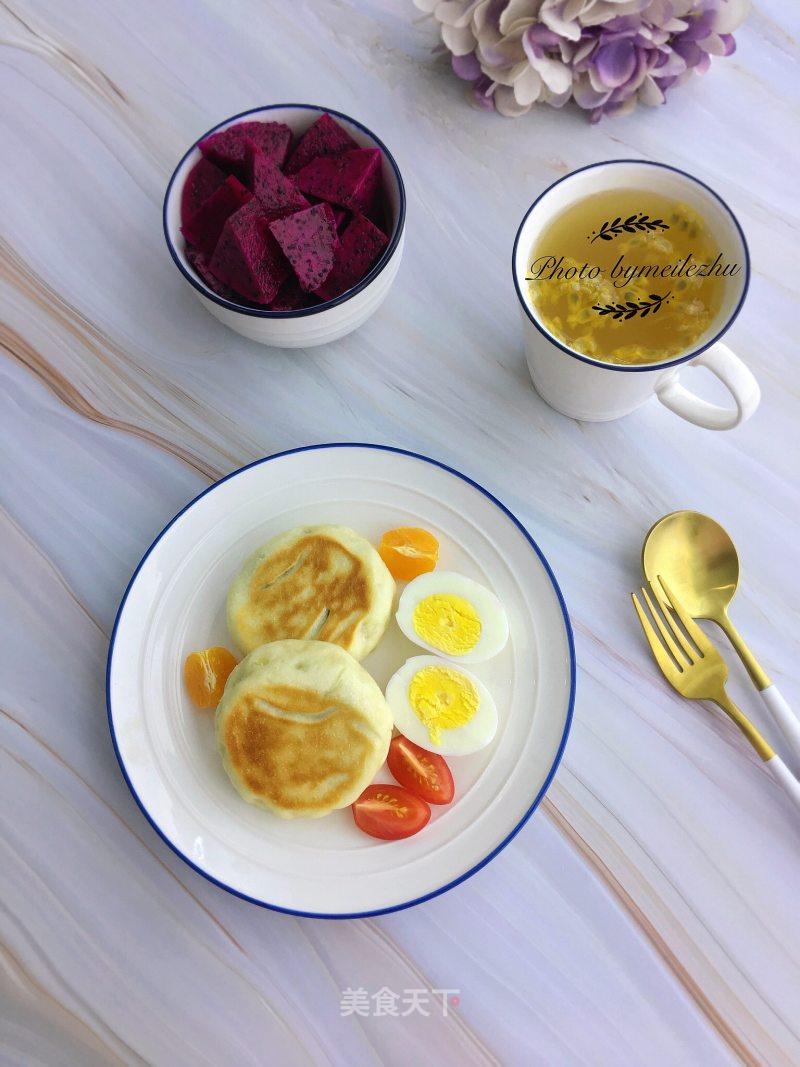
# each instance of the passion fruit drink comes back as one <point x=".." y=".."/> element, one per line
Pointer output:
<point x="628" y="276"/>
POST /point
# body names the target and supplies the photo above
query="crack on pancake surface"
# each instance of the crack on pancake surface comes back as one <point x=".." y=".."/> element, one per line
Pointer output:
<point x="290" y="714"/>
<point x="317" y="627"/>
<point x="292" y="569"/>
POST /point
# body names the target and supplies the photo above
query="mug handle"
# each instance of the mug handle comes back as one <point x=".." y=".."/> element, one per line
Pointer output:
<point x="733" y="374"/>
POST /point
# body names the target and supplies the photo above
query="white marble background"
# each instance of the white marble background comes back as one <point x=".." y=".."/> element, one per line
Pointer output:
<point x="648" y="913"/>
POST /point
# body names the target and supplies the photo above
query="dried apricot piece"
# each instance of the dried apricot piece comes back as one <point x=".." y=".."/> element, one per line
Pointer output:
<point x="408" y="552"/>
<point x="205" y="674"/>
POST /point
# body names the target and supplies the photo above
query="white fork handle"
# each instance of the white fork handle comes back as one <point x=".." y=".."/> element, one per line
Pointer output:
<point x="784" y="777"/>
<point x="784" y="717"/>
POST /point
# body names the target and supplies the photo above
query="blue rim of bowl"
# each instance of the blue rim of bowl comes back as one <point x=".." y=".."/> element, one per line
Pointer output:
<point x="299" y="313"/>
<point x="646" y="366"/>
<point x="537" y="799"/>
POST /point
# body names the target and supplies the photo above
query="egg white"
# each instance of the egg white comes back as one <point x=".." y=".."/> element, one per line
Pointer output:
<point x="492" y="614"/>
<point x="460" y="741"/>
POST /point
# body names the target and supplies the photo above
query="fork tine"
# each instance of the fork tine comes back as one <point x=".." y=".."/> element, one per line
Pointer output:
<point x="693" y="630"/>
<point x="659" y="594"/>
<point x="667" y="611"/>
<point x="665" y="633"/>
<point x="668" y="668"/>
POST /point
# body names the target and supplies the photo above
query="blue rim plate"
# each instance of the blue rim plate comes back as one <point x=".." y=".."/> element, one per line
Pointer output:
<point x="169" y="760"/>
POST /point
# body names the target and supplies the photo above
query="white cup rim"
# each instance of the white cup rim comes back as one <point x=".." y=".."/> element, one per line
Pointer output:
<point x="298" y="313"/>
<point x="633" y="368"/>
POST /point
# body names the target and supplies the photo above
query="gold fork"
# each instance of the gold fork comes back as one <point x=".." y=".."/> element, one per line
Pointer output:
<point x="693" y="666"/>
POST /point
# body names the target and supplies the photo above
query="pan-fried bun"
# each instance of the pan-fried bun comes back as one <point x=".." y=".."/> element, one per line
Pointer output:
<point x="302" y="728"/>
<point x="325" y="583"/>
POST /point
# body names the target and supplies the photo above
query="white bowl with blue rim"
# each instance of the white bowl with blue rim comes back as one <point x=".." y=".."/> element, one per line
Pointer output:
<point x="324" y="322"/>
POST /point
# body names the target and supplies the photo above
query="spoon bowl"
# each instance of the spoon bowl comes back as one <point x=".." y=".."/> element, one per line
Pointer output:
<point x="698" y="559"/>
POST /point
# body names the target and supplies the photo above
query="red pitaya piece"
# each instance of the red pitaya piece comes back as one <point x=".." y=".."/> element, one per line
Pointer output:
<point x="204" y="227"/>
<point x="278" y="194"/>
<point x="291" y="297"/>
<point x="308" y="240"/>
<point x="273" y="139"/>
<point x="228" y="148"/>
<point x="324" y="138"/>
<point x="203" y="180"/>
<point x="247" y="256"/>
<point x="359" y="247"/>
<point x="350" y="179"/>
<point x="200" y="262"/>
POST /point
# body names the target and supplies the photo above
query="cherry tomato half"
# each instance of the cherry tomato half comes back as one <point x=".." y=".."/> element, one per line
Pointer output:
<point x="390" y="812"/>
<point x="424" y="773"/>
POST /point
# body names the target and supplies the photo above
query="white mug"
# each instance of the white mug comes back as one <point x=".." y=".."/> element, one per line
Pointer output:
<point x="593" y="391"/>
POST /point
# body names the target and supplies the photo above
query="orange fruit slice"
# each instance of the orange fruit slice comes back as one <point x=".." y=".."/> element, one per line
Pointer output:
<point x="408" y="552"/>
<point x="205" y="674"/>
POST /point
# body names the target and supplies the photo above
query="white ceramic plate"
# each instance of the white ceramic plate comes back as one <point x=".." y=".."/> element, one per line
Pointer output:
<point x="176" y="603"/>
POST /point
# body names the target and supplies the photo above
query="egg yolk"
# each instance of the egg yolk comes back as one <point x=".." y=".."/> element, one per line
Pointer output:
<point x="447" y="622"/>
<point x="442" y="699"/>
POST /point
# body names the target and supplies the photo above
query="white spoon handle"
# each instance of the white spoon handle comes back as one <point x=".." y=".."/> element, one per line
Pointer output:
<point x="784" y="717"/>
<point x="784" y="777"/>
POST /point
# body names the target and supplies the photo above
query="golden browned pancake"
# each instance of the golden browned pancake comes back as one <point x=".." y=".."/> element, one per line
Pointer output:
<point x="302" y="728"/>
<point x="325" y="583"/>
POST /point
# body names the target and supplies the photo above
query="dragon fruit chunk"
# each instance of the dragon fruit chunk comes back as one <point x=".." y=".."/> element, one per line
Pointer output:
<point x="359" y="247"/>
<point x="308" y="240"/>
<point x="203" y="180"/>
<point x="350" y="179"/>
<point x="247" y="256"/>
<point x="278" y="194"/>
<point x="228" y="148"/>
<point x="273" y="139"/>
<point x="200" y="263"/>
<point x="203" y="228"/>
<point x="325" y="137"/>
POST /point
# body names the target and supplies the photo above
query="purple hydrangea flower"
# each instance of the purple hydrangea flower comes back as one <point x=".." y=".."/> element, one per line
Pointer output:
<point x="606" y="55"/>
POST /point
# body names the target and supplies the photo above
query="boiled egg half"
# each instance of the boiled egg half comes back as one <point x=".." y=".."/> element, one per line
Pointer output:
<point x="454" y="616"/>
<point x="441" y="707"/>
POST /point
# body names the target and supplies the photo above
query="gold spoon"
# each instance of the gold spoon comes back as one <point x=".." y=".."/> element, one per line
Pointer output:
<point x="698" y="559"/>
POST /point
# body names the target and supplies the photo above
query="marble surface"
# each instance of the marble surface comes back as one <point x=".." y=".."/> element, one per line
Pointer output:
<point x="648" y="912"/>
